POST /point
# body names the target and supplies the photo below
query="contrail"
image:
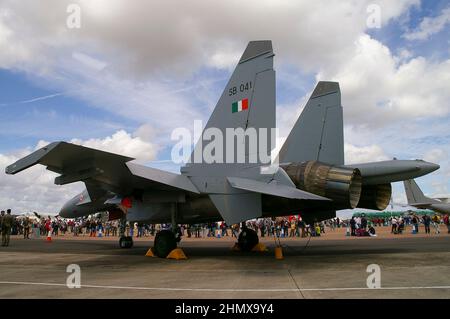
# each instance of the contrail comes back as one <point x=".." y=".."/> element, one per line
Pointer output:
<point x="42" y="98"/>
<point x="39" y="98"/>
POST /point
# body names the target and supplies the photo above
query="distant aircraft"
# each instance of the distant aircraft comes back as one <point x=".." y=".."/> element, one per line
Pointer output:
<point x="416" y="198"/>
<point x="311" y="177"/>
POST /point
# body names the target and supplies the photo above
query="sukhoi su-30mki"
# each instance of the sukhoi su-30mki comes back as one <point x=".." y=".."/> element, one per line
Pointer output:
<point x="311" y="177"/>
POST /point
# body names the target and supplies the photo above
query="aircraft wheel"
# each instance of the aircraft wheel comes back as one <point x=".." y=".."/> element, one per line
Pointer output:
<point x="248" y="239"/>
<point x="165" y="242"/>
<point x="126" y="242"/>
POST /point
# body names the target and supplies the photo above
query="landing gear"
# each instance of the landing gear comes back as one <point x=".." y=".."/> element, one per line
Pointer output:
<point x="248" y="239"/>
<point x="165" y="242"/>
<point x="126" y="242"/>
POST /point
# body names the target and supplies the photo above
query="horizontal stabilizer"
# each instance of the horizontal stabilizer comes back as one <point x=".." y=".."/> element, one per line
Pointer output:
<point x="101" y="171"/>
<point x="274" y="189"/>
<point x="63" y="156"/>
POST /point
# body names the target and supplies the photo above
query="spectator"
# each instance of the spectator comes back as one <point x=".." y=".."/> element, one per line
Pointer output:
<point x="447" y="223"/>
<point x="426" y="222"/>
<point x="353" y="226"/>
<point x="436" y="223"/>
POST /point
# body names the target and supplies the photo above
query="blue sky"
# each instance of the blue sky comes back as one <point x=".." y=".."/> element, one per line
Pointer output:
<point x="146" y="78"/>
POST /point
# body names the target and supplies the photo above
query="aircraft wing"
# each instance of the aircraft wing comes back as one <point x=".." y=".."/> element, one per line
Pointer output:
<point x="100" y="170"/>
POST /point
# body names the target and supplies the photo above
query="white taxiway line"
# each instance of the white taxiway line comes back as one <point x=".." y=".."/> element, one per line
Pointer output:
<point x="221" y="290"/>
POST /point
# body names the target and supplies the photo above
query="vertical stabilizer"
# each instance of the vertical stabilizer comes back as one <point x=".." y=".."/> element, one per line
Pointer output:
<point x="318" y="134"/>
<point x="414" y="194"/>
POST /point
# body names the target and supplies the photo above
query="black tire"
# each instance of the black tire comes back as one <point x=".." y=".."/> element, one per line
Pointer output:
<point x="165" y="242"/>
<point x="126" y="242"/>
<point x="248" y="239"/>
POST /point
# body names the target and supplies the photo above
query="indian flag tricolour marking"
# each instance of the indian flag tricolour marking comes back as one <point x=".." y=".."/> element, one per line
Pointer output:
<point x="239" y="106"/>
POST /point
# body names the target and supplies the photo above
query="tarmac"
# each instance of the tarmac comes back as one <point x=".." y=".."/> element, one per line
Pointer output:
<point x="330" y="266"/>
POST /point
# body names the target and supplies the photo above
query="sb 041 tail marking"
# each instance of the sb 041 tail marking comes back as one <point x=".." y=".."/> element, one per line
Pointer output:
<point x="241" y="88"/>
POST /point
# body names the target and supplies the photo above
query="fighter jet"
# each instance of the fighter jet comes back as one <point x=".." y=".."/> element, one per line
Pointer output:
<point x="235" y="182"/>
<point x="417" y="199"/>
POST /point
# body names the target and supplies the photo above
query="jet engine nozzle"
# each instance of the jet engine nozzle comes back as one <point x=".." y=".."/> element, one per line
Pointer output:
<point x="375" y="196"/>
<point x="341" y="184"/>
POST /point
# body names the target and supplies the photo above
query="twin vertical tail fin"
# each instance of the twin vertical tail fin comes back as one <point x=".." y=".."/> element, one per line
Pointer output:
<point x="414" y="194"/>
<point x="246" y="107"/>
<point x="318" y="134"/>
<point x="248" y="101"/>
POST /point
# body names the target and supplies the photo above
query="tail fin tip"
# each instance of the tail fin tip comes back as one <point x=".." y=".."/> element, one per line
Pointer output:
<point x="324" y="88"/>
<point x="255" y="49"/>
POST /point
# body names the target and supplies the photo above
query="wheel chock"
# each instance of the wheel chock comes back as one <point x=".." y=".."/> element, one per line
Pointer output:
<point x="236" y="247"/>
<point x="177" y="254"/>
<point x="260" y="247"/>
<point x="278" y="253"/>
<point x="150" y="253"/>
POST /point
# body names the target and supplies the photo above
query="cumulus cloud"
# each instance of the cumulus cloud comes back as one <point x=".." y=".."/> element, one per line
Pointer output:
<point x="33" y="189"/>
<point x="159" y="49"/>
<point x="429" y="26"/>
<point x="436" y="155"/>
<point x="363" y="154"/>
<point x="122" y="143"/>
<point x="374" y="82"/>
<point x="149" y="36"/>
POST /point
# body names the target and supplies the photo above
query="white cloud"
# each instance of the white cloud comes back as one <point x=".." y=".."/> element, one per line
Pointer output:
<point x="363" y="154"/>
<point x="374" y="82"/>
<point x="436" y="155"/>
<point x="429" y="26"/>
<point x="33" y="189"/>
<point x="145" y="37"/>
<point x="140" y="72"/>
<point x="122" y="143"/>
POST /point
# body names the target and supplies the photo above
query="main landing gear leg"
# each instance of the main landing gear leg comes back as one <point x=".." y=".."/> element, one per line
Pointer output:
<point x="165" y="245"/>
<point x="248" y="239"/>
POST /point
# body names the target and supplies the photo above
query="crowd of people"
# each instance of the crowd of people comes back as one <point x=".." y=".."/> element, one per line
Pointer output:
<point x="281" y="227"/>
<point x="361" y="226"/>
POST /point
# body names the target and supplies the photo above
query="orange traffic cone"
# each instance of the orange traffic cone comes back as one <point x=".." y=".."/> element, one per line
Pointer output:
<point x="278" y="252"/>
<point x="49" y="236"/>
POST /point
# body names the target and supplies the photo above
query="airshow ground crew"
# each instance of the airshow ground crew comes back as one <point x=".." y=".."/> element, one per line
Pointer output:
<point x="7" y="221"/>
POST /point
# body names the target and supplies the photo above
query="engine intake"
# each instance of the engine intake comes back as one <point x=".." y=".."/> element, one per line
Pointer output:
<point x="342" y="185"/>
